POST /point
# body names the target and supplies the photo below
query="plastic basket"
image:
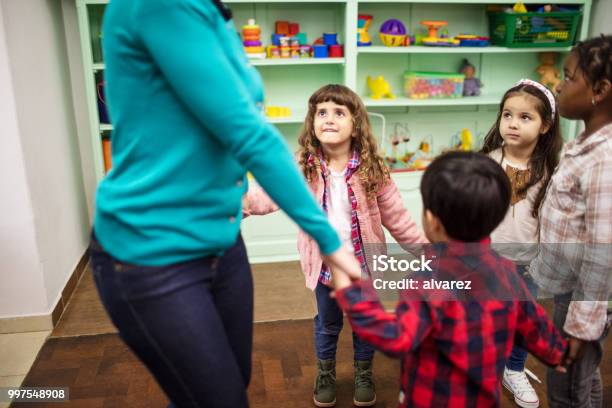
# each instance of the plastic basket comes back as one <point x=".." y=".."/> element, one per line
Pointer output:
<point x="518" y="30"/>
<point x="428" y="85"/>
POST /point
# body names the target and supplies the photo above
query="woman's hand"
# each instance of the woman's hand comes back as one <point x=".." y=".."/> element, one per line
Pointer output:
<point x="344" y="268"/>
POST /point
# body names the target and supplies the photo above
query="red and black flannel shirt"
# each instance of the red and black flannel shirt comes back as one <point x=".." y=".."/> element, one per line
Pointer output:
<point x="454" y="343"/>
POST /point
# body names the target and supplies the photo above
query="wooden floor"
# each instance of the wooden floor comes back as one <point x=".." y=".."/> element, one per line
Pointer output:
<point x="102" y="372"/>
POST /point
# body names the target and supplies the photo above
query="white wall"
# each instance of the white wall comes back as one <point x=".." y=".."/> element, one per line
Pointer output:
<point x="20" y="272"/>
<point x="600" y="18"/>
<point x="56" y="219"/>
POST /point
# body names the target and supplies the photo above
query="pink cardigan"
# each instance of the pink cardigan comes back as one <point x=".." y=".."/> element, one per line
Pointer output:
<point x="388" y="210"/>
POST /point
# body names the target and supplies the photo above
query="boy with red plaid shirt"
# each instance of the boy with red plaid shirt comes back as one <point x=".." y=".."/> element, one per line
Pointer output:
<point x="454" y="343"/>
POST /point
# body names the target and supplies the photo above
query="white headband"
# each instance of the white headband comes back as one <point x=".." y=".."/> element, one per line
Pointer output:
<point x="549" y="95"/>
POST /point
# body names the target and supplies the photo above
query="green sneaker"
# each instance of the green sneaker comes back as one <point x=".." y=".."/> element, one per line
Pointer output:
<point x="365" y="396"/>
<point x="325" y="384"/>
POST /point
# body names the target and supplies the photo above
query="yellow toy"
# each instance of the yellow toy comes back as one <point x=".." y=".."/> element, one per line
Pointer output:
<point x="278" y="112"/>
<point x="549" y="74"/>
<point x="380" y="88"/>
<point x="466" y="140"/>
<point x="519" y="8"/>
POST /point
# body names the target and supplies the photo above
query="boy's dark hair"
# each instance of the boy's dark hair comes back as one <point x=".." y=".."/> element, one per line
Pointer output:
<point x="545" y="156"/>
<point x="469" y="192"/>
<point x="595" y="59"/>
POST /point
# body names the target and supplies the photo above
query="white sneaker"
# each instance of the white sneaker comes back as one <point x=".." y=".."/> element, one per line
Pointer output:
<point x="517" y="383"/>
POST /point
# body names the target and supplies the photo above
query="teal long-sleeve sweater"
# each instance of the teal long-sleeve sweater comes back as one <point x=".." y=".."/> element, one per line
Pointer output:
<point x="185" y="105"/>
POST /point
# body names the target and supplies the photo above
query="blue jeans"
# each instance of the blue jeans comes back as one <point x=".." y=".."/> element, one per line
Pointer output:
<point x="516" y="361"/>
<point x="328" y="324"/>
<point x="190" y="323"/>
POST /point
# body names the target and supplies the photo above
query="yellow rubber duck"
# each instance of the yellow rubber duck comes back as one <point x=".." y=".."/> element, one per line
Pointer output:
<point x="380" y="88"/>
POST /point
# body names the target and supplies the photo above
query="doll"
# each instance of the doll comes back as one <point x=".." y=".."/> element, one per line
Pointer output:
<point x="471" y="85"/>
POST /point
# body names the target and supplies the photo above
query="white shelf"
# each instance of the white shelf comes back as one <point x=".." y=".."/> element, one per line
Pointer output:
<point x="105" y="127"/>
<point x="268" y="62"/>
<point x="290" y="119"/>
<point x="283" y="1"/>
<point x="471" y="1"/>
<point x="404" y="101"/>
<point x="295" y="61"/>
<point x="419" y="49"/>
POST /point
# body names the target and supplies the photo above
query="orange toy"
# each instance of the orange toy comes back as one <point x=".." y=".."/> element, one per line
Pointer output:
<point x="106" y="152"/>
<point x="282" y="27"/>
<point x="433" y="26"/>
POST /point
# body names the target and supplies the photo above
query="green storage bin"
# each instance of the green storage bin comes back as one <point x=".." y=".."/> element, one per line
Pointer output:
<point x="524" y="30"/>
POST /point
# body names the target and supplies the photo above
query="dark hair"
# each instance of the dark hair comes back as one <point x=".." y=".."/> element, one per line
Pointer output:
<point x="469" y="192"/>
<point x="595" y="59"/>
<point x="464" y="64"/>
<point x="545" y="156"/>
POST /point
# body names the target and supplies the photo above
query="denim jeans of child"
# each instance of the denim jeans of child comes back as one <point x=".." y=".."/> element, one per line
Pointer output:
<point x="190" y="323"/>
<point x="328" y="324"/>
<point x="516" y="361"/>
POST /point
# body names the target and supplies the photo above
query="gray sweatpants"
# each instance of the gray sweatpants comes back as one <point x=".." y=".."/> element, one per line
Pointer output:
<point x="581" y="386"/>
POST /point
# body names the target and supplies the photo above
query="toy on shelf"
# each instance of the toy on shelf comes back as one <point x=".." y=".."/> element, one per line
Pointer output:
<point x="422" y="157"/>
<point x="251" y="39"/>
<point x="470" y="40"/>
<point x="398" y="156"/>
<point x="336" y="51"/>
<point x="552" y="8"/>
<point x="380" y="88"/>
<point x="519" y="8"/>
<point x="327" y="47"/>
<point x="426" y="85"/>
<point x="549" y="74"/>
<point x="466" y="140"/>
<point x="393" y="33"/>
<point x="275" y="112"/>
<point x="363" y="24"/>
<point x="471" y="85"/>
<point x="288" y="41"/>
<point x="107" y="154"/>
<point x="320" y="51"/>
<point x="462" y="140"/>
<point x="432" y="38"/>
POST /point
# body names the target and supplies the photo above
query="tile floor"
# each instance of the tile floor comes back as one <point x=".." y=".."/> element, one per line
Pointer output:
<point x="17" y="353"/>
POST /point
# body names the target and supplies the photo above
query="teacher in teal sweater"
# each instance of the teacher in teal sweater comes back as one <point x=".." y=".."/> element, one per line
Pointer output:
<point x="168" y="259"/>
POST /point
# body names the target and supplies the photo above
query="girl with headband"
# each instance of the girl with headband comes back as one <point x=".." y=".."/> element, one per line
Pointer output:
<point x="525" y="140"/>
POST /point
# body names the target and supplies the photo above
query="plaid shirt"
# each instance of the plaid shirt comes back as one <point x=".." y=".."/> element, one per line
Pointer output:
<point x="576" y="233"/>
<point x="352" y="166"/>
<point x="454" y="346"/>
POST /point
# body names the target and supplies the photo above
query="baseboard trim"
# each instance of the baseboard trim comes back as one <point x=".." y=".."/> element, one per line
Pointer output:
<point x="48" y="321"/>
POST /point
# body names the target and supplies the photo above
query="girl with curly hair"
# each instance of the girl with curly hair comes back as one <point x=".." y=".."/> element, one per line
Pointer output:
<point x="339" y="157"/>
